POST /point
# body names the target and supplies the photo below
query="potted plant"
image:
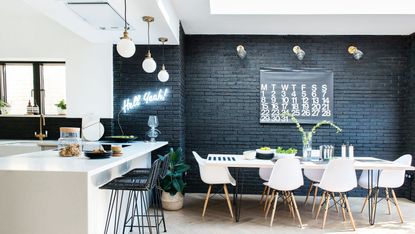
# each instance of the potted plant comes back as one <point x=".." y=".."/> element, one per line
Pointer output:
<point x="4" y="107"/>
<point x="285" y="153"/>
<point x="61" y="105"/>
<point x="173" y="184"/>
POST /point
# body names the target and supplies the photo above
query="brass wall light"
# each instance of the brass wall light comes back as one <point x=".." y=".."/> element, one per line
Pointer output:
<point x="357" y="54"/>
<point x="240" y="51"/>
<point x="298" y="52"/>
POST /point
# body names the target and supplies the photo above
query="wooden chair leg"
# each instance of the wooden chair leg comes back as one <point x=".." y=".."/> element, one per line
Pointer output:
<point x="397" y="205"/>
<point x="388" y="200"/>
<point x="314" y="199"/>
<point x="342" y="204"/>
<point x="266" y="198"/>
<point x="263" y="195"/>
<point x="334" y="201"/>
<point x="375" y="203"/>
<point x="365" y="202"/>
<point x="206" y="200"/>
<point x="273" y="210"/>
<point x="308" y="194"/>
<point x="225" y="188"/>
<point x="296" y="209"/>
<point x="323" y="197"/>
<point x="326" y="209"/>
<point x="269" y="203"/>
<point x="349" y="211"/>
<point x="290" y="204"/>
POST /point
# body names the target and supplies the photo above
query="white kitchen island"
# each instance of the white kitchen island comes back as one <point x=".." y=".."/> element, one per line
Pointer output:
<point x="42" y="193"/>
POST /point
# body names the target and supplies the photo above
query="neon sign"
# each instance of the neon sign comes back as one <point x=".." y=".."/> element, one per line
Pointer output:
<point x="144" y="99"/>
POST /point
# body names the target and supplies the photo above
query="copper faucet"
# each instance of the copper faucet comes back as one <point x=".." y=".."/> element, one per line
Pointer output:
<point x="42" y="123"/>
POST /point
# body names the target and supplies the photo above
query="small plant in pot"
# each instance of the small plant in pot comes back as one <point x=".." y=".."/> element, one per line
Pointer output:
<point x="173" y="184"/>
<point x="285" y="153"/>
<point x="4" y="107"/>
<point x="61" y="105"/>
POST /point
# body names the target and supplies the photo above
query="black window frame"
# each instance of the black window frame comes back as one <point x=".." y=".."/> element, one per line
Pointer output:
<point x="38" y="91"/>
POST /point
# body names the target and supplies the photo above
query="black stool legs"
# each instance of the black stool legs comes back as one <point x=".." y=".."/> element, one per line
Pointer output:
<point x="115" y="202"/>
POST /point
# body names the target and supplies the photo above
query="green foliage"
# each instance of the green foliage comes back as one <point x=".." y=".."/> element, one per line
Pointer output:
<point x="4" y="104"/>
<point x="281" y="150"/>
<point x="173" y="182"/>
<point x="61" y="104"/>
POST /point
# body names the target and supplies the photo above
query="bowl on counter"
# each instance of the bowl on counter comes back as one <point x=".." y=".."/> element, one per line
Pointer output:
<point x="280" y="156"/>
<point x="97" y="155"/>
<point x="249" y="155"/>
<point x="121" y="139"/>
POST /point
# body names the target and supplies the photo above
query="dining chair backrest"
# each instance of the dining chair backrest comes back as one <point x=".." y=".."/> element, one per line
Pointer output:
<point x="212" y="174"/>
<point x="286" y="175"/>
<point x="265" y="173"/>
<point x="395" y="178"/>
<point x="339" y="176"/>
<point x="314" y="174"/>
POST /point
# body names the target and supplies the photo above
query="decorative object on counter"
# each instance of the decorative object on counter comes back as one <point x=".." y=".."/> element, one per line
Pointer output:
<point x="153" y="123"/>
<point x="29" y="108"/>
<point x="116" y="150"/>
<point x="92" y="128"/>
<point x="357" y="54"/>
<point x="163" y="75"/>
<point x="35" y="109"/>
<point x="4" y="107"/>
<point x="285" y="153"/>
<point x="61" y="105"/>
<point x="299" y="52"/>
<point x="69" y="143"/>
<point x="265" y="153"/>
<point x="249" y="155"/>
<point x="344" y="151"/>
<point x="351" y="151"/>
<point x="308" y="136"/>
<point x="173" y="184"/>
<point x="149" y="65"/>
<point x="42" y="124"/>
<point x="241" y="52"/>
<point x="126" y="46"/>
<point x="98" y="153"/>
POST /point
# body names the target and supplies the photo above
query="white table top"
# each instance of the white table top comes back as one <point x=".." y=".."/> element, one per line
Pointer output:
<point x="50" y="161"/>
<point x="360" y="163"/>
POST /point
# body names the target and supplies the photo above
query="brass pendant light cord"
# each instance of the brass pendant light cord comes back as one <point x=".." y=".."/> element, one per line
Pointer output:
<point x="125" y="15"/>
<point x="148" y="35"/>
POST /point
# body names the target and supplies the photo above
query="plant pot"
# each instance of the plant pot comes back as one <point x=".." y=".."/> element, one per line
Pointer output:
<point x="170" y="202"/>
<point x="5" y="110"/>
<point x="61" y="111"/>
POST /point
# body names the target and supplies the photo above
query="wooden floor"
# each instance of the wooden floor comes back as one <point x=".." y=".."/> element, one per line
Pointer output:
<point x="218" y="220"/>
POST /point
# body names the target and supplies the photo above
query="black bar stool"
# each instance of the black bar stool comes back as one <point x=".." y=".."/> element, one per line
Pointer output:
<point x="138" y="188"/>
<point x="143" y="172"/>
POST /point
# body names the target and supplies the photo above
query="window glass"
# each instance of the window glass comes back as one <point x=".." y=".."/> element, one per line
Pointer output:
<point x="54" y="85"/>
<point x="19" y="86"/>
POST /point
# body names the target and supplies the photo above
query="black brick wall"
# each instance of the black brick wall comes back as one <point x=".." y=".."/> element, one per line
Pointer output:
<point x="222" y="95"/>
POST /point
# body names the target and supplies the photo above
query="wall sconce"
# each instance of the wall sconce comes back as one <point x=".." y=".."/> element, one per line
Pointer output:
<point x="299" y="52"/>
<point x="357" y="54"/>
<point x="240" y="51"/>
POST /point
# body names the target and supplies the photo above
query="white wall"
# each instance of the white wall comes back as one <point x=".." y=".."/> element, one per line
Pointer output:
<point x="26" y="34"/>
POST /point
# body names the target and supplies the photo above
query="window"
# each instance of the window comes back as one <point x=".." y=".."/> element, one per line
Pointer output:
<point x="41" y="83"/>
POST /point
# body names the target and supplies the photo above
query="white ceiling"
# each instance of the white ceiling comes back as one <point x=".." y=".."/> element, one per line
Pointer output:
<point x="297" y="17"/>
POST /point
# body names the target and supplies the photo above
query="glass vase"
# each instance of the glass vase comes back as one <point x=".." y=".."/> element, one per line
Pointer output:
<point x="307" y="144"/>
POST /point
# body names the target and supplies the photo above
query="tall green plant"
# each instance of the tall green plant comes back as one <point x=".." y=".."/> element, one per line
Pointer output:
<point x="173" y="182"/>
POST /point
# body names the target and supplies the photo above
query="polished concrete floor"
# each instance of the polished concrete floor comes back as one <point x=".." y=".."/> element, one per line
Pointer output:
<point x="218" y="220"/>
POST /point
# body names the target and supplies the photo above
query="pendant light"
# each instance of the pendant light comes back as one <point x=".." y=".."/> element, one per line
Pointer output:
<point x="125" y="47"/>
<point x="163" y="75"/>
<point x="149" y="65"/>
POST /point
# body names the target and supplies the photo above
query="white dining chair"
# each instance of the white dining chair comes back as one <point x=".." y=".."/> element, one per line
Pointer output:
<point x="286" y="176"/>
<point x="338" y="177"/>
<point x="264" y="174"/>
<point x="388" y="180"/>
<point x="314" y="176"/>
<point x="213" y="175"/>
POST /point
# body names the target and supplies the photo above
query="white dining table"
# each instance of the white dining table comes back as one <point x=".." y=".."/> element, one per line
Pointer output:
<point x="371" y="164"/>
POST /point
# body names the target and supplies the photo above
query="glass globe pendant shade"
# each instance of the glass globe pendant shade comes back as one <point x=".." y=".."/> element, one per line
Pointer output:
<point x="126" y="47"/>
<point x="163" y="75"/>
<point x="149" y="65"/>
